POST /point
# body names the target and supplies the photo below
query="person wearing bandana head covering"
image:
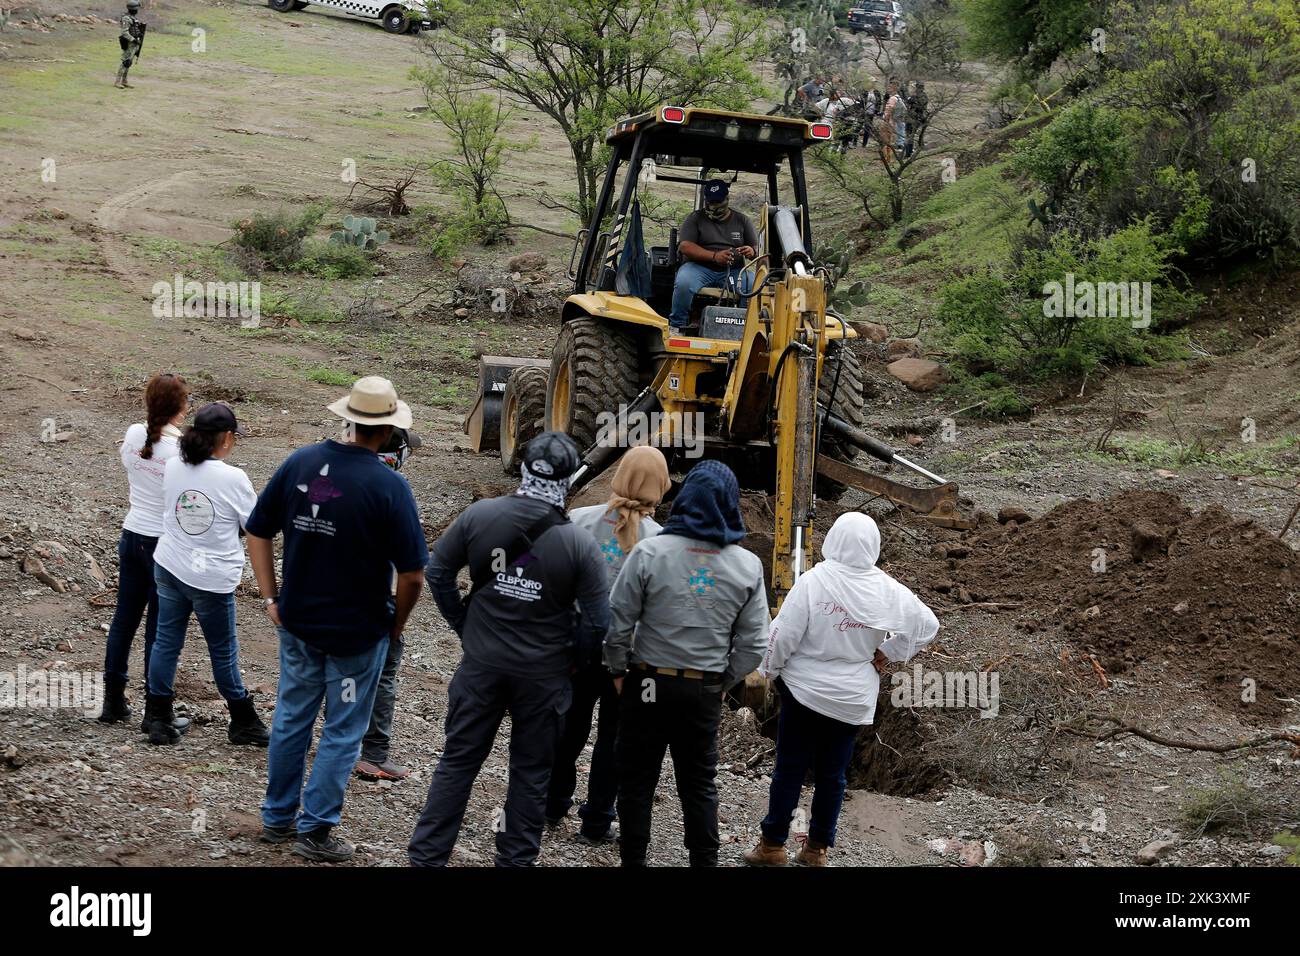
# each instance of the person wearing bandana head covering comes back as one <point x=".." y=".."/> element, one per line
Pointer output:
<point x="838" y="626"/>
<point x="529" y="567"/>
<point x="689" y="620"/>
<point x="714" y="242"/>
<point x="617" y="525"/>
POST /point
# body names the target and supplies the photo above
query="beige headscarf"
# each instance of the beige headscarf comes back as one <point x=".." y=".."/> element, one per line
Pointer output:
<point x="639" y="484"/>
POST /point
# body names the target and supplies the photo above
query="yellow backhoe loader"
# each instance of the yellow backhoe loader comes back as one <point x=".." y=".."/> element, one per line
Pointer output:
<point x="761" y="379"/>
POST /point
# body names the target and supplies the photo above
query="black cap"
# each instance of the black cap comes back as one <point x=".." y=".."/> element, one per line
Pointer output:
<point x="217" y="417"/>
<point x="715" y="190"/>
<point x="552" y="455"/>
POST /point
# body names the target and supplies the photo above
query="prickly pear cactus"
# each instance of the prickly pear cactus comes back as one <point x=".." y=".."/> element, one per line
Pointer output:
<point x="360" y="231"/>
<point x="837" y="258"/>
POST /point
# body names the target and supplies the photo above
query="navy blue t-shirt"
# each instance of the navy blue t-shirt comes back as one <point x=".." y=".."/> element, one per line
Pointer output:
<point x="348" y="520"/>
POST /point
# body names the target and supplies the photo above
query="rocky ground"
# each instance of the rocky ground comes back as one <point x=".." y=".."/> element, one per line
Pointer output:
<point x="149" y="181"/>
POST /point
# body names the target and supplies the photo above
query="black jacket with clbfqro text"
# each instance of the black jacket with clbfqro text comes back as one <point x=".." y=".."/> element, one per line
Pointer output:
<point x="522" y="620"/>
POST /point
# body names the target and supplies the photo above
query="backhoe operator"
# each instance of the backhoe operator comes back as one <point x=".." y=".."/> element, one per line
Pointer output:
<point x="714" y="242"/>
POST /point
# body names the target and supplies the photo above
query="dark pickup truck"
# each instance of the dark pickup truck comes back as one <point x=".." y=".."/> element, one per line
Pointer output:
<point x="879" y="18"/>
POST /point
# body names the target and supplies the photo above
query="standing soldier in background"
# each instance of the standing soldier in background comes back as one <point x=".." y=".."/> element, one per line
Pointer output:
<point x="131" y="38"/>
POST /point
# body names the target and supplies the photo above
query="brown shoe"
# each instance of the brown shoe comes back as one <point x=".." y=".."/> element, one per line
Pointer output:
<point x="767" y="854"/>
<point x="812" y="854"/>
<point x="369" y="770"/>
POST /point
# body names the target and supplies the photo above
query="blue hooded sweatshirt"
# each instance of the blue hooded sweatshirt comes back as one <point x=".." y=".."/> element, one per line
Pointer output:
<point x="707" y="507"/>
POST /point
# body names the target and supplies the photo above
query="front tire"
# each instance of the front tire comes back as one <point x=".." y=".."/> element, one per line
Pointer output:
<point x="594" y="370"/>
<point x="395" y="21"/>
<point x="523" y="413"/>
<point x="282" y="6"/>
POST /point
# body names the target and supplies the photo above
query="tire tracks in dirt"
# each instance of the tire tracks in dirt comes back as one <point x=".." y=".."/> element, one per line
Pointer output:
<point x="110" y="218"/>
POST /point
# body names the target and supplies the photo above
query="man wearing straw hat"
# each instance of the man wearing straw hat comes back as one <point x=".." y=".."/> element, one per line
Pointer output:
<point x="348" y="521"/>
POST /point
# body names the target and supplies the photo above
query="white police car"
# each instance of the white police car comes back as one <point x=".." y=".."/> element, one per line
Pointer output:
<point x="397" y="16"/>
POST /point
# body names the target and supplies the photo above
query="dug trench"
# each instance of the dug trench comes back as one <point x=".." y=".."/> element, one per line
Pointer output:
<point x="1138" y="582"/>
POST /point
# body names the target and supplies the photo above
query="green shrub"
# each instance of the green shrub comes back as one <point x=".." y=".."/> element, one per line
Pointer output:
<point x="274" y="240"/>
<point x="446" y="238"/>
<point x="1035" y="321"/>
<point x="1077" y="158"/>
<point x="333" y="260"/>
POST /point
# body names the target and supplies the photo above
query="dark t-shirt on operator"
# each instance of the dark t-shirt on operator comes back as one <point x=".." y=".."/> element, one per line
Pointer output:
<point x="735" y="231"/>
<point x="348" y="520"/>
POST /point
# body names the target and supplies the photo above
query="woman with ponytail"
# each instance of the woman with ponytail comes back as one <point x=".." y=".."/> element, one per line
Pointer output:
<point x="639" y="485"/>
<point x="146" y="449"/>
<point x="198" y="565"/>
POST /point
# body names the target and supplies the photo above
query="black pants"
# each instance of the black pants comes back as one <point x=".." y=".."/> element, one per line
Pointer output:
<point x="591" y="685"/>
<point x="679" y="715"/>
<point x="137" y="598"/>
<point x="477" y="701"/>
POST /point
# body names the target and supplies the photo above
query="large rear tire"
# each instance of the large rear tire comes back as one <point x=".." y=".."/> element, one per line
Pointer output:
<point x="848" y="404"/>
<point x="594" y="370"/>
<point x="523" y="414"/>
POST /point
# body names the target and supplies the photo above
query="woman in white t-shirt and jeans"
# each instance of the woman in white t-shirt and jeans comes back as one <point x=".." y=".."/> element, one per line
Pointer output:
<point x="198" y="565"/>
<point x="838" y="626"/>
<point x="146" y="449"/>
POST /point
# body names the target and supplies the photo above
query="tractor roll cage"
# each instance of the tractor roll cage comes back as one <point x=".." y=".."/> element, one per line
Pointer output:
<point x="716" y="140"/>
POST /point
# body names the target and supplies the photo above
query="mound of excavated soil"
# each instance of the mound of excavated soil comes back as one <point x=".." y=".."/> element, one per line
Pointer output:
<point x="1139" y="578"/>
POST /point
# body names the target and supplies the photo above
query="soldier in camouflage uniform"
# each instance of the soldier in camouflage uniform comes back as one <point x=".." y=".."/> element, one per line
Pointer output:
<point x="130" y="37"/>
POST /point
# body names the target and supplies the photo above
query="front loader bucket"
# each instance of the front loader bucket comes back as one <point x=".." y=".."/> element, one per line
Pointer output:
<point x="483" y="421"/>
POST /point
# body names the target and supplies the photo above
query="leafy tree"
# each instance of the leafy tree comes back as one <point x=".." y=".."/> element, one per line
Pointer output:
<point x="1212" y="88"/>
<point x="1032" y="34"/>
<point x="586" y="63"/>
<point x="477" y="122"/>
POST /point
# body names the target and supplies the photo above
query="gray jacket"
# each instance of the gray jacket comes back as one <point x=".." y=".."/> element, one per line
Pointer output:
<point x="599" y="520"/>
<point x="683" y="603"/>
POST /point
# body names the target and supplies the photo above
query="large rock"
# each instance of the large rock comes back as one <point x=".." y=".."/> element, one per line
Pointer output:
<point x="526" y="262"/>
<point x="1154" y="851"/>
<point x="871" y="331"/>
<point x="1018" y="515"/>
<point x="903" y="348"/>
<point x="920" y="375"/>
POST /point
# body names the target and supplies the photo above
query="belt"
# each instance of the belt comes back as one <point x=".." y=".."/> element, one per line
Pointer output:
<point x="687" y="672"/>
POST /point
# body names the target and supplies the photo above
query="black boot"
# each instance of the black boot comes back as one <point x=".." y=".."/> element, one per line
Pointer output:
<point x="115" y="706"/>
<point x="245" y="726"/>
<point x="158" y="718"/>
<point x="181" y="724"/>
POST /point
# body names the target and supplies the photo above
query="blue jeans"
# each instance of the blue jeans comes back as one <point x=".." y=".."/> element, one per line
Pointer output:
<point x="694" y="276"/>
<point x="216" y="614"/>
<point x="347" y="686"/>
<point x="806" y="739"/>
<point x="137" y="598"/>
